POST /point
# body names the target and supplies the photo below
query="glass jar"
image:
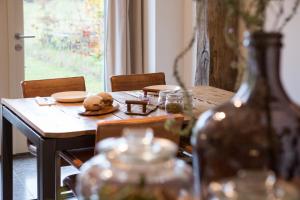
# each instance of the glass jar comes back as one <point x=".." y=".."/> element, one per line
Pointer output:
<point x="162" y="98"/>
<point x="135" y="166"/>
<point x="174" y="103"/>
<point x="188" y="99"/>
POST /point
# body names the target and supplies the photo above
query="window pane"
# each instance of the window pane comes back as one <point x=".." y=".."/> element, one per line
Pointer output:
<point x="69" y="40"/>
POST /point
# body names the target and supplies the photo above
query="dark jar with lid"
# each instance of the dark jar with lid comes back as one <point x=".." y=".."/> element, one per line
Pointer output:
<point x="249" y="143"/>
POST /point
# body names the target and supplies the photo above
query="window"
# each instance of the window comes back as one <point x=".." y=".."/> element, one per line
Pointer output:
<point x="68" y="40"/>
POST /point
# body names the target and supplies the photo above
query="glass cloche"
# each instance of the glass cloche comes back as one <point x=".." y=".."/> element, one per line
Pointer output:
<point x="136" y="166"/>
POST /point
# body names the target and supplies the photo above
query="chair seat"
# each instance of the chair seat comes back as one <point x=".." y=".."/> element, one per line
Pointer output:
<point x="185" y="153"/>
<point x="188" y="149"/>
<point x="77" y="157"/>
<point x="32" y="149"/>
<point x="70" y="182"/>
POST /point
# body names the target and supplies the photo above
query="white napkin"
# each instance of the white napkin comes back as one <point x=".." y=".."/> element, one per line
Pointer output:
<point x="44" y="101"/>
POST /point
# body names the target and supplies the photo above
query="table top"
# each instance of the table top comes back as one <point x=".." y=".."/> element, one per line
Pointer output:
<point x="63" y="121"/>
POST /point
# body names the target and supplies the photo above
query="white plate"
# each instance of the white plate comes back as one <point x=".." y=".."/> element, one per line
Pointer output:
<point x="162" y="87"/>
<point x="70" y="96"/>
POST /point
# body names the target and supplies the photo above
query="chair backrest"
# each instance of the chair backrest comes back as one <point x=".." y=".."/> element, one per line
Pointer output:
<point x="136" y="81"/>
<point x="46" y="87"/>
<point x="106" y="129"/>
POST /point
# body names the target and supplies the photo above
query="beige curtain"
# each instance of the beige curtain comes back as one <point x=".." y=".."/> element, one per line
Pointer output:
<point x="123" y="38"/>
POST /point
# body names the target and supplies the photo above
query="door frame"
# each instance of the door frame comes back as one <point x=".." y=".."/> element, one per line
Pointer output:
<point x="16" y="58"/>
<point x="15" y="63"/>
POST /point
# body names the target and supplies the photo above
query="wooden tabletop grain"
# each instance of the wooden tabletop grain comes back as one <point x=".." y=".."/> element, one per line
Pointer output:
<point x="63" y="121"/>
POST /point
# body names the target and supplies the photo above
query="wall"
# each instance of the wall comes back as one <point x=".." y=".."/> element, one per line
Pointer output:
<point x="4" y="84"/>
<point x="290" y="63"/>
<point x="169" y="35"/>
<point x="8" y="74"/>
<point x="149" y="35"/>
<point x="290" y="72"/>
<point x="4" y="55"/>
<point x="189" y="61"/>
<point x="168" y="28"/>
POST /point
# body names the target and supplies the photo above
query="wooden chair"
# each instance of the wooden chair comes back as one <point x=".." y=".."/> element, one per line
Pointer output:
<point x="114" y="128"/>
<point x="46" y="87"/>
<point x="106" y="129"/>
<point x="136" y="81"/>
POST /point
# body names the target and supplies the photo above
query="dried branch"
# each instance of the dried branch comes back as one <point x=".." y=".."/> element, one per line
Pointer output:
<point x="291" y="15"/>
<point x="188" y="104"/>
<point x="279" y="14"/>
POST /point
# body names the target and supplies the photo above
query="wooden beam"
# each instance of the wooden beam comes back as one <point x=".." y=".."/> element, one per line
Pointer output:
<point x="214" y="57"/>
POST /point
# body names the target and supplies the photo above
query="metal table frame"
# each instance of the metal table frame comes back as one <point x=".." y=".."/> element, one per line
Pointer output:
<point x="48" y="160"/>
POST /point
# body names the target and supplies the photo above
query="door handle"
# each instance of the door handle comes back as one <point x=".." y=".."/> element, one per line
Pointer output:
<point x="19" y="36"/>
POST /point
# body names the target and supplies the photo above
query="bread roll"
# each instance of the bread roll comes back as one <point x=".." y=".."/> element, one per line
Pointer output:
<point x="93" y="103"/>
<point x="106" y="98"/>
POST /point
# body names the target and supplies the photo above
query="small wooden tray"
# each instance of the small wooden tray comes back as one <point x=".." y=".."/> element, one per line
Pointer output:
<point x="141" y="109"/>
<point x="103" y="111"/>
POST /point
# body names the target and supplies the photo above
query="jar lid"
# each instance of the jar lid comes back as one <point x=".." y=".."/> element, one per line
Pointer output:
<point x="165" y="92"/>
<point x="137" y="146"/>
<point x="175" y="96"/>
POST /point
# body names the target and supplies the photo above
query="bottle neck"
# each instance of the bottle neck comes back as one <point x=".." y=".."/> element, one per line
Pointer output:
<point x="262" y="80"/>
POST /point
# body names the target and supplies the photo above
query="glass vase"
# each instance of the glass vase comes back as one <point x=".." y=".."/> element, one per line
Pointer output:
<point x="249" y="147"/>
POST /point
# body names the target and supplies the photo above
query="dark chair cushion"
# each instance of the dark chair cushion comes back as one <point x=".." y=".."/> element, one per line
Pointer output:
<point x="70" y="182"/>
<point x="77" y="157"/>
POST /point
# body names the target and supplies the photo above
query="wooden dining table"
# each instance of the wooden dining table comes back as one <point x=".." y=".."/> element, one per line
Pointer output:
<point x="59" y="127"/>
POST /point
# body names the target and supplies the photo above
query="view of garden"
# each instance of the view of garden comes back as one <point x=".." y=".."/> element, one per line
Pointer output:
<point x="69" y="40"/>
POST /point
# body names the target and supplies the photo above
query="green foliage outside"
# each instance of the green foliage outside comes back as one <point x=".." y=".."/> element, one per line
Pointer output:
<point x="69" y="40"/>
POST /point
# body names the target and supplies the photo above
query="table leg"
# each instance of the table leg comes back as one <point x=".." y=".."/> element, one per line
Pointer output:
<point x="6" y="160"/>
<point x="47" y="170"/>
<point x="58" y="176"/>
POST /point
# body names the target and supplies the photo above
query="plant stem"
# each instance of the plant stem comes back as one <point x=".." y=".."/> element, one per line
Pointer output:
<point x="291" y="15"/>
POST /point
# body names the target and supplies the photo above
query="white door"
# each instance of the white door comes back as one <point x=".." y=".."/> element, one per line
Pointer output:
<point x="55" y="38"/>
